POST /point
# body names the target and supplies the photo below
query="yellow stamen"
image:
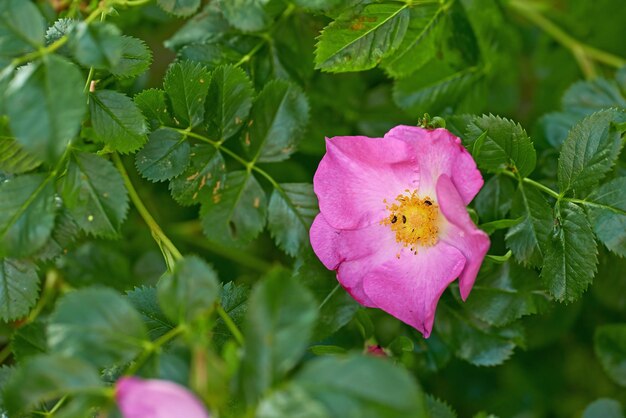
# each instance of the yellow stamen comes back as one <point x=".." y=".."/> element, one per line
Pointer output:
<point x="413" y="219"/>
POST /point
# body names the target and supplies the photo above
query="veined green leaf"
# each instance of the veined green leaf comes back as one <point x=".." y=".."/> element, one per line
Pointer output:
<point x="21" y="27"/>
<point x="117" y="121"/>
<point x="45" y="104"/>
<point x="97" y="44"/>
<point x="439" y="409"/>
<point x="498" y="143"/>
<point x="165" y="156"/>
<point x="135" y="58"/>
<point x="19" y="288"/>
<point x="152" y="104"/>
<point x="589" y="151"/>
<point x="234" y="301"/>
<point x="419" y="44"/>
<point x="144" y="299"/>
<point x="606" y="208"/>
<point x="610" y="347"/>
<point x="290" y="214"/>
<point x="229" y="102"/>
<point x="277" y="121"/>
<point x="571" y="255"/>
<point x="362" y="386"/>
<point x="248" y="15"/>
<point x="494" y="200"/>
<point x="13" y="158"/>
<point x="94" y="193"/>
<point x="505" y="293"/>
<point x="290" y="402"/>
<point x="180" y="8"/>
<point x="527" y="239"/>
<point x="46" y="377"/>
<point x="432" y="89"/>
<point x="356" y="43"/>
<point x="97" y="325"/>
<point x="188" y="292"/>
<point x="29" y="340"/>
<point x="280" y="319"/>
<point x="205" y="173"/>
<point x="235" y="214"/>
<point x="186" y="84"/>
<point x="27" y="212"/>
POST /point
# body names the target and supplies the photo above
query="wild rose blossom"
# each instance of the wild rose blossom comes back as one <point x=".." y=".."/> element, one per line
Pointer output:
<point x="153" y="398"/>
<point x="393" y="222"/>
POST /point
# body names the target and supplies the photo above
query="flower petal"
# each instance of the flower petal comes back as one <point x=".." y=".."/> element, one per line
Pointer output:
<point x="138" y="398"/>
<point x="439" y="152"/>
<point x="461" y="233"/>
<point x="357" y="173"/>
<point x="353" y="253"/>
<point x="409" y="287"/>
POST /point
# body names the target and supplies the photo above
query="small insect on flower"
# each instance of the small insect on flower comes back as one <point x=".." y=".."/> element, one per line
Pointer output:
<point x="393" y="221"/>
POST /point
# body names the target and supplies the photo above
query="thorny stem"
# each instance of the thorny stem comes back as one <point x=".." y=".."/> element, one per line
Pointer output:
<point x="583" y="53"/>
<point x="169" y="250"/>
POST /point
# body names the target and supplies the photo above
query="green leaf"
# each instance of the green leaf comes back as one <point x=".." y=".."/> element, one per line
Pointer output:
<point x="317" y="4"/>
<point x="358" y="42"/>
<point x="165" y="156"/>
<point x="94" y="193"/>
<point x="290" y="402"/>
<point x="424" y="32"/>
<point x="291" y="211"/>
<point x="280" y="319"/>
<point x="151" y="102"/>
<point x="189" y="292"/>
<point x="204" y="175"/>
<point x="438" y="408"/>
<point x="234" y="301"/>
<point x="277" y="121"/>
<point x="335" y="306"/>
<point x="587" y="97"/>
<point x="358" y="386"/>
<point x="45" y="104"/>
<point x="505" y="293"/>
<point x="247" y="15"/>
<point x="230" y="99"/>
<point x="59" y="29"/>
<point x="144" y="299"/>
<point x="604" y="408"/>
<point x="236" y="213"/>
<point x="21" y="27"/>
<point x="97" y="44"/>
<point x="117" y="121"/>
<point x="610" y="347"/>
<point x="494" y="200"/>
<point x="180" y="8"/>
<point x="571" y="255"/>
<point x="135" y="58"/>
<point x="497" y="143"/>
<point x="27" y="212"/>
<point x="211" y="55"/>
<point x="186" y="84"/>
<point x="207" y="26"/>
<point x="474" y="341"/>
<point x="13" y="158"/>
<point x="19" y="288"/>
<point x="97" y="325"/>
<point x="606" y="208"/>
<point x="46" y="378"/>
<point x="589" y="152"/>
<point x="527" y="238"/>
<point x="29" y="340"/>
<point x="434" y="87"/>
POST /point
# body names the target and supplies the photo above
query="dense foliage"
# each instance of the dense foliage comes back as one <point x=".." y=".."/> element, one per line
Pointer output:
<point x="155" y="204"/>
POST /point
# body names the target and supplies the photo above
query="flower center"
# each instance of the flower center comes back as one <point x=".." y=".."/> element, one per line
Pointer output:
<point x="413" y="219"/>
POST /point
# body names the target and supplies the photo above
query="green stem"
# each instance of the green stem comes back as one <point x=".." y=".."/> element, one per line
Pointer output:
<point x="583" y="53"/>
<point x="232" y="327"/>
<point x="533" y="183"/>
<point x="169" y="250"/>
<point x="155" y="346"/>
<point x="48" y="294"/>
<point x="5" y="353"/>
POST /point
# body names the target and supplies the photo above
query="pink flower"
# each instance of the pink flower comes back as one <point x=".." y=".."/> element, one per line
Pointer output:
<point x="138" y="398"/>
<point x="393" y="222"/>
